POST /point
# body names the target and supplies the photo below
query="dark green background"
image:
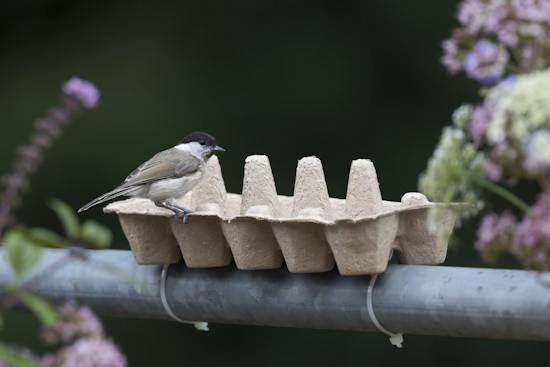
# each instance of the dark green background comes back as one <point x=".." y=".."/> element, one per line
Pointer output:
<point x="340" y="80"/>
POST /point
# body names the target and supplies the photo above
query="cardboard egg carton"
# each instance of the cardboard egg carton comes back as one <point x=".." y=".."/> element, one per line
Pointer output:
<point x="309" y="231"/>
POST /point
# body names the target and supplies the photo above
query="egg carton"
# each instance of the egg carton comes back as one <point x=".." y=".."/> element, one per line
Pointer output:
<point x="309" y="231"/>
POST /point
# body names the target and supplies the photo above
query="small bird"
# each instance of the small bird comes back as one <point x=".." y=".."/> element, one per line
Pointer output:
<point x="168" y="175"/>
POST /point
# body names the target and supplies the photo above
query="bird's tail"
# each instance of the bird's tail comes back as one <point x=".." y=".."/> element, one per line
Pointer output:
<point x="108" y="196"/>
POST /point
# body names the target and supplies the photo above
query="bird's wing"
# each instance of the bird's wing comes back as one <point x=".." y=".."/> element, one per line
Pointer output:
<point x="163" y="165"/>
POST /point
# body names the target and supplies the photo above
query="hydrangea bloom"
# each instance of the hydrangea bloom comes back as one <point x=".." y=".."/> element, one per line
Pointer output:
<point x="83" y="90"/>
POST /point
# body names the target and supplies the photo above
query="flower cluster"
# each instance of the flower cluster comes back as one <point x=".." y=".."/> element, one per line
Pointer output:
<point x="77" y="94"/>
<point x="83" y="341"/>
<point x="81" y="327"/>
<point x="496" y="37"/>
<point x="455" y="163"/>
<point x="513" y="126"/>
<point x="505" y="139"/>
<point x="86" y="352"/>
<point x="501" y="141"/>
<point x="74" y="322"/>
<point x="528" y="240"/>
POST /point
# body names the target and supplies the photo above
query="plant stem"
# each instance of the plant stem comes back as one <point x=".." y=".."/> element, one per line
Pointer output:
<point x="502" y="192"/>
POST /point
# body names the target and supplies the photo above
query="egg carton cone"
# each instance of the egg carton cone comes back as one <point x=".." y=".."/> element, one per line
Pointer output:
<point x="310" y="231"/>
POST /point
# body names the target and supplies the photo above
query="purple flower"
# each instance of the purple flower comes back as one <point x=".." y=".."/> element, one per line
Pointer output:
<point x="450" y="57"/>
<point x="478" y="124"/>
<point x="536" y="150"/>
<point x="92" y="352"/>
<point x="84" y="91"/>
<point x="532" y="239"/>
<point x="495" y="235"/>
<point x="74" y="322"/>
<point x="502" y="155"/>
<point x="46" y="130"/>
<point x="486" y="62"/>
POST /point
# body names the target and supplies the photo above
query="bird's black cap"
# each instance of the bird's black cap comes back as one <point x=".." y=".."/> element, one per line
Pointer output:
<point x="200" y="137"/>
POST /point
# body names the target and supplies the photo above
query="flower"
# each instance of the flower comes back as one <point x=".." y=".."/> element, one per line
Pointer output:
<point x="462" y="115"/>
<point x="91" y="352"/>
<point x="450" y="169"/>
<point x="536" y="150"/>
<point x="495" y="235"/>
<point x="83" y="90"/>
<point x="486" y="62"/>
<point x="74" y="322"/>
<point x="490" y="30"/>
<point x="478" y="122"/>
<point x="532" y="239"/>
<point x="502" y="157"/>
<point x="46" y="130"/>
<point x="81" y="327"/>
<point x="451" y="59"/>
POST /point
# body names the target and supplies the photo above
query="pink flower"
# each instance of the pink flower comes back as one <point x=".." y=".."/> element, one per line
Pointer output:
<point x="478" y="125"/>
<point x="74" y="322"/>
<point x="450" y="57"/>
<point x="532" y="239"/>
<point x="84" y="91"/>
<point x="495" y="235"/>
<point x="92" y="352"/>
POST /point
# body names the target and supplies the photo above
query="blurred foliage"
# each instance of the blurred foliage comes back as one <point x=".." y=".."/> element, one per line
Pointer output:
<point x="339" y="80"/>
<point x="24" y="245"/>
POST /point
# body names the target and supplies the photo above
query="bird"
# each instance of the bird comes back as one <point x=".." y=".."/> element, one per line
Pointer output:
<point x="168" y="175"/>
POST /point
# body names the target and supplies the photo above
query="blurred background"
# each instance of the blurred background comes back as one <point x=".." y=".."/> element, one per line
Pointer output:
<point x="340" y="80"/>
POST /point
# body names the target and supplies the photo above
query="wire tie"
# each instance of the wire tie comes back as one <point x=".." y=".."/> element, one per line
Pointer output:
<point x="395" y="339"/>
<point x="199" y="325"/>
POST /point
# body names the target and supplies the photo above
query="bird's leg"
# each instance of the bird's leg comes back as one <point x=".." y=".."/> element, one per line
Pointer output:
<point x="185" y="212"/>
<point x="170" y="207"/>
<point x="176" y="209"/>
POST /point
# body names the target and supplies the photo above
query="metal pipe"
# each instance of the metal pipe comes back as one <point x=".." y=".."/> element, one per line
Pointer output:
<point x="430" y="300"/>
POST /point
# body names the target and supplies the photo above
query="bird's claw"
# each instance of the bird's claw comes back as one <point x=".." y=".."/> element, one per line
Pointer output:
<point x="184" y="219"/>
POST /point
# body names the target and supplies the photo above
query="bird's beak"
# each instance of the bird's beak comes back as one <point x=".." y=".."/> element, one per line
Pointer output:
<point x="217" y="148"/>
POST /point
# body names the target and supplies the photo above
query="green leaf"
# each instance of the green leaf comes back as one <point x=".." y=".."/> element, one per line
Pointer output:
<point x="39" y="306"/>
<point x="22" y="253"/>
<point x="96" y="234"/>
<point x="15" y="358"/>
<point x="46" y="237"/>
<point x="67" y="216"/>
<point x="1" y="321"/>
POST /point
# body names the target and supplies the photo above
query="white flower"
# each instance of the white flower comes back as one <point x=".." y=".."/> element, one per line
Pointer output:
<point x="537" y="151"/>
<point x="519" y="107"/>
<point x="462" y="115"/>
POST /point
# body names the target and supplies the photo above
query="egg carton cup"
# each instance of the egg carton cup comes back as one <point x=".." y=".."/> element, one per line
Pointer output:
<point x="309" y="231"/>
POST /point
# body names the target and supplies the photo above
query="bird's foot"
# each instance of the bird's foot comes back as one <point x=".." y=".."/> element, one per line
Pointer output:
<point x="184" y="219"/>
<point x="185" y="212"/>
<point x="177" y="211"/>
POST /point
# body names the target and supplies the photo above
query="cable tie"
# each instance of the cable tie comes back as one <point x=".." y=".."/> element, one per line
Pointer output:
<point x="199" y="325"/>
<point x="395" y="338"/>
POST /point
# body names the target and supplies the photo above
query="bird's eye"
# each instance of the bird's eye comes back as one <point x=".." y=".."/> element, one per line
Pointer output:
<point x="202" y="142"/>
